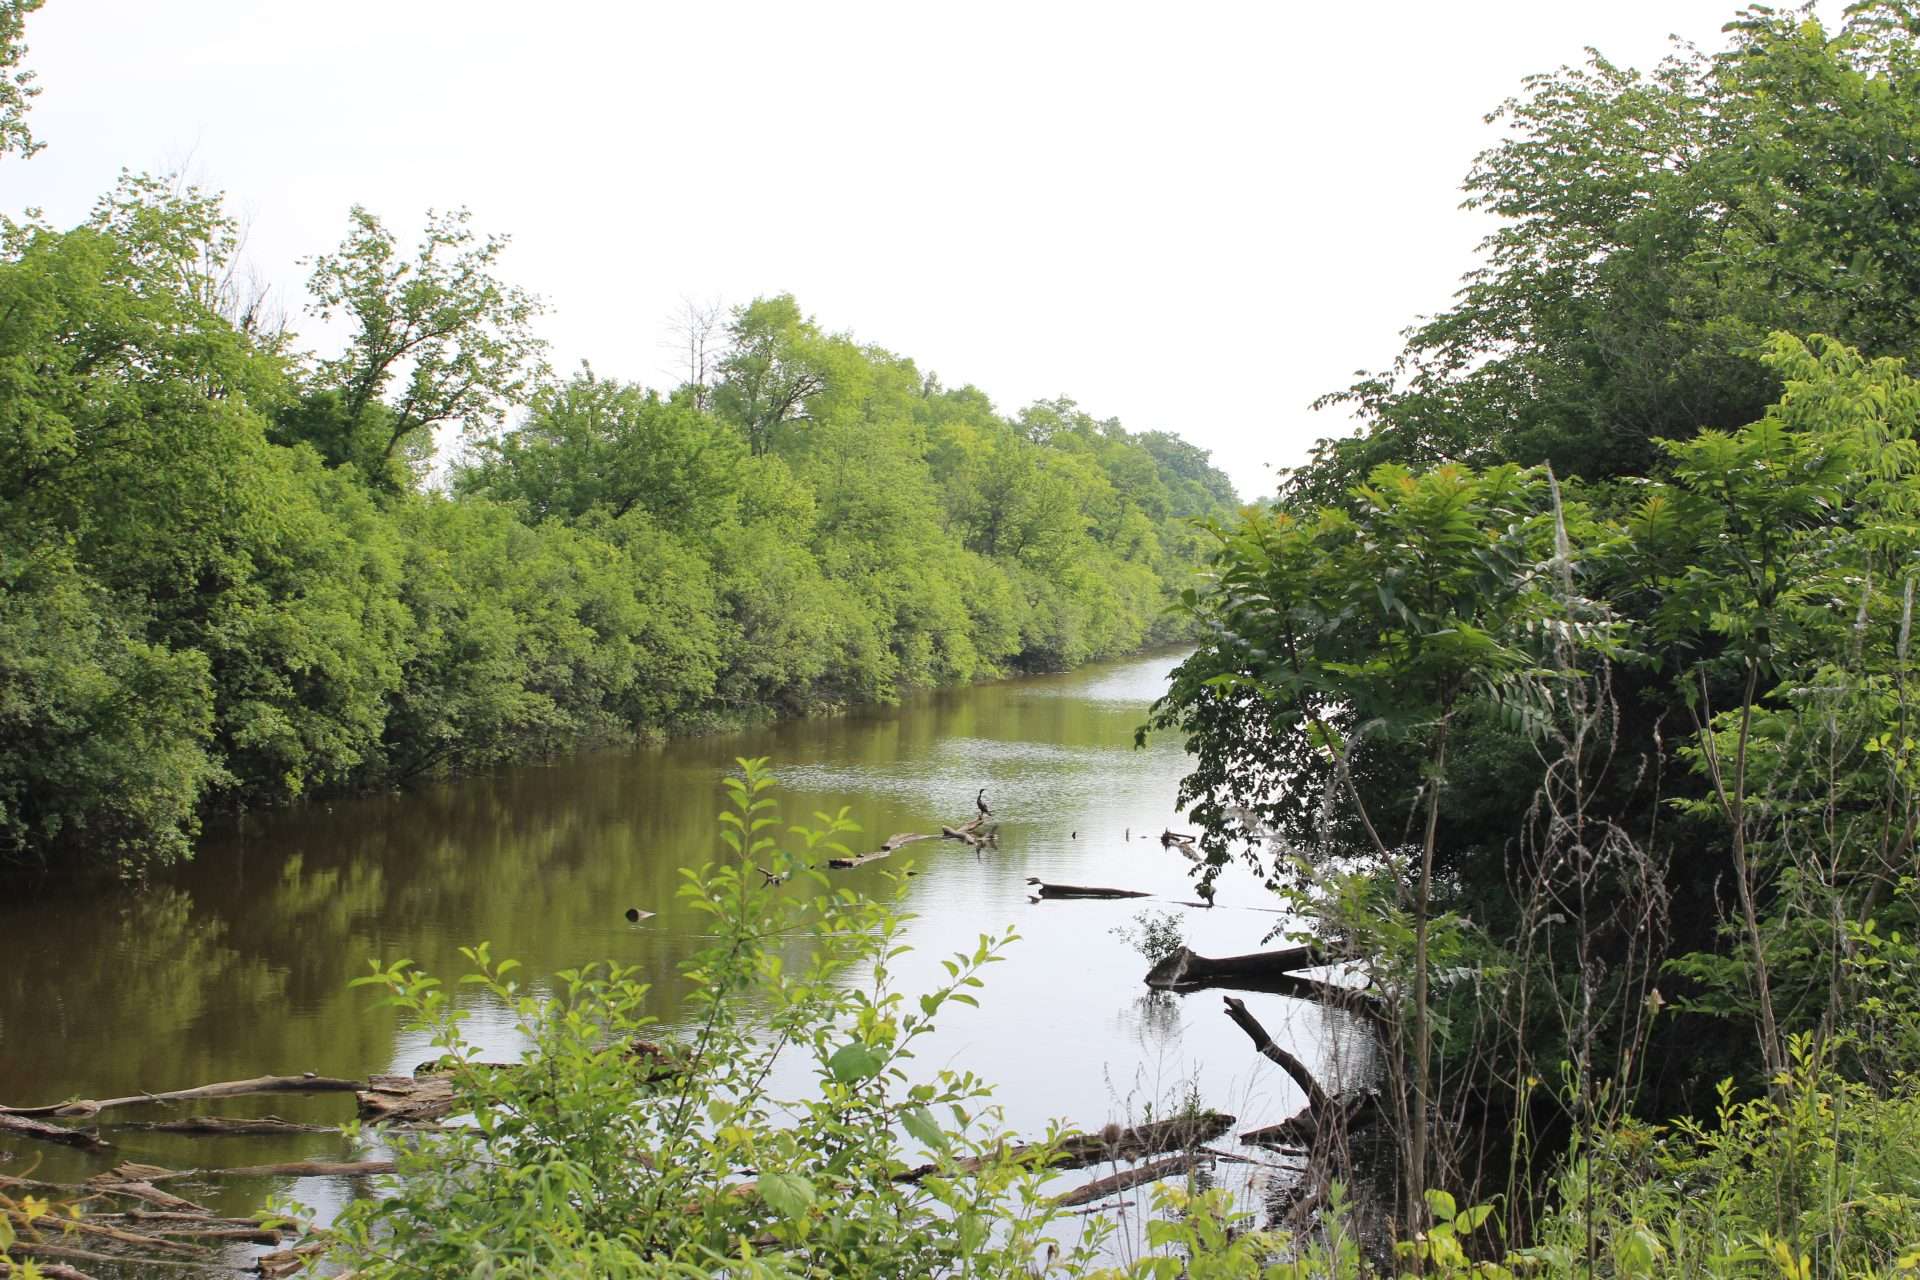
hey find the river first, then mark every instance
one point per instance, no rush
(238, 963)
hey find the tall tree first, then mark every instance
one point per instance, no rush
(777, 362)
(437, 338)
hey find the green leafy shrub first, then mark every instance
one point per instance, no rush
(603, 1155)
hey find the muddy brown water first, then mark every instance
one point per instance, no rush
(238, 963)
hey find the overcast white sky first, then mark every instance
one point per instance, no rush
(1195, 217)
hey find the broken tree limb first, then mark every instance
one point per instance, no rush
(1181, 1133)
(892, 843)
(1126, 1180)
(22, 1127)
(85, 1108)
(225, 1125)
(41, 1249)
(1317, 1100)
(286, 1262)
(1044, 890)
(51, 1271)
(425, 1095)
(303, 1169)
(968, 832)
(1298, 1133)
(81, 1226)
(1187, 969)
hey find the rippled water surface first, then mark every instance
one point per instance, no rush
(238, 964)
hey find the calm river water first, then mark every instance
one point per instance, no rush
(237, 964)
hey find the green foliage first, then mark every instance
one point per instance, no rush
(604, 1155)
(1812, 1180)
(458, 342)
(17, 89)
(1655, 228)
(1154, 934)
(219, 580)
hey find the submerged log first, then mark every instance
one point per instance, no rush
(425, 1095)
(50, 1271)
(99, 1230)
(1126, 1180)
(226, 1125)
(1044, 890)
(21, 1126)
(1187, 969)
(1300, 1132)
(302, 1169)
(87, 1107)
(1181, 1133)
(1114, 1143)
(288, 1262)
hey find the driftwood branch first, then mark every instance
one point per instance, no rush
(51, 1271)
(222, 1125)
(22, 1127)
(88, 1227)
(1044, 890)
(893, 842)
(1186, 970)
(1182, 1133)
(300, 1169)
(974, 833)
(86, 1107)
(1317, 1100)
(1126, 1180)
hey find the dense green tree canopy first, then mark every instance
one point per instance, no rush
(1655, 227)
(221, 578)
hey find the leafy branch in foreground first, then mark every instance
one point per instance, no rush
(772, 1139)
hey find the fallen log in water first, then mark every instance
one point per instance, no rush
(87, 1227)
(1044, 890)
(1299, 1132)
(49, 1271)
(42, 1249)
(225, 1125)
(425, 1095)
(885, 850)
(1126, 1180)
(1181, 1133)
(1185, 969)
(1324, 1121)
(300, 1169)
(287, 1262)
(969, 832)
(86, 1108)
(40, 1131)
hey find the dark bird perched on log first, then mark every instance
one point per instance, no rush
(980, 802)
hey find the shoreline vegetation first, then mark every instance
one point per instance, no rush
(230, 575)
(1569, 705)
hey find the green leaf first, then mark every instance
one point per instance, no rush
(788, 1194)
(852, 1063)
(919, 1122)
